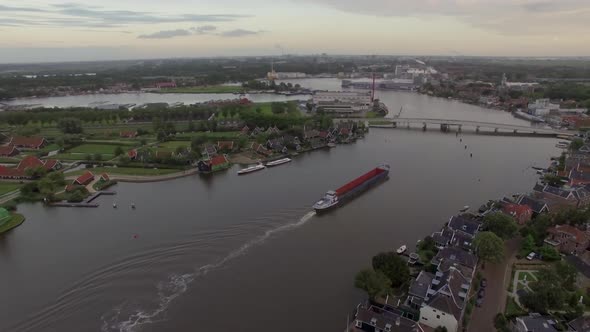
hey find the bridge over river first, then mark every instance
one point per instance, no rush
(460, 125)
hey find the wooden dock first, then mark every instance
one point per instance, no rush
(87, 203)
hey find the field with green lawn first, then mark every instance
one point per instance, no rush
(94, 148)
(205, 89)
(217, 135)
(7, 160)
(16, 220)
(172, 145)
(6, 187)
(80, 156)
(127, 171)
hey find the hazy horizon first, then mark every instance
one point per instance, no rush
(58, 31)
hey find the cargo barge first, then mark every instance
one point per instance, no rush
(335, 198)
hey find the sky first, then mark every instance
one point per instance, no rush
(83, 30)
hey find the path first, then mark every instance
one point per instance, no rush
(525, 283)
(498, 277)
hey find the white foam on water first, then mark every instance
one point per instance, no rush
(178, 284)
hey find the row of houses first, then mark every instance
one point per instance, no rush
(12, 146)
(535, 322)
(29, 162)
(436, 298)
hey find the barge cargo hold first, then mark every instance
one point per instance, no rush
(335, 198)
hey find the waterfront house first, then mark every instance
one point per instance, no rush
(582, 194)
(533, 323)
(225, 146)
(24, 142)
(418, 291)
(580, 324)
(8, 151)
(568, 239)
(443, 237)
(310, 134)
(104, 177)
(260, 149)
(556, 198)
(273, 130)
(84, 179)
(454, 256)
(276, 145)
(209, 151)
(446, 300)
(292, 142)
(257, 131)
(521, 213)
(372, 318)
(465, 223)
(578, 178)
(317, 143)
(214, 164)
(538, 206)
(325, 135)
(585, 148)
(128, 134)
(462, 240)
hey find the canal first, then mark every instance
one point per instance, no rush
(246, 253)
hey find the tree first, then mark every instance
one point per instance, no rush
(375, 283)
(500, 224)
(70, 126)
(576, 144)
(528, 244)
(191, 126)
(97, 157)
(36, 172)
(489, 247)
(549, 253)
(393, 266)
(552, 180)
(196, 143)
(143, 141)
(119, 151)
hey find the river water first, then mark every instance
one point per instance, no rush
(231, 253)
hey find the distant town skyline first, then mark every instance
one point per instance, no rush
(47, 31)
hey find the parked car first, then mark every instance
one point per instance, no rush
(531, 256)
(479, 302)
(483, 283)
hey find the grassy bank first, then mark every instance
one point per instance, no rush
(6, 187)
(16, 220)
(205, 89)
(136, 171)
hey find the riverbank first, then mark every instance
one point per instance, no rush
(17, 220)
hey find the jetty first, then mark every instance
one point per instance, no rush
(87, 203)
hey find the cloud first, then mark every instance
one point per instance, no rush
(72, 14)
(239, 33)
(510, 17)
(205, 29)
(166, 34)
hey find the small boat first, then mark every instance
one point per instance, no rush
(133, 205)
(331, 145)
(114, 205)
(278, 162)
(465, 208)
(251, 169)
(414, 257)
(402, 249)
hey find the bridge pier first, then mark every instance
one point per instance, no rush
(459, 128)
(496, 130)
(477, 129)
(444, 127)
(394, 124)
(408, 124)
(424, 126)
(516, 131)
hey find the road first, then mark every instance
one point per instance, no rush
(498, 277)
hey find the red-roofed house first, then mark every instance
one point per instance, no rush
(132, 154)
(84, 179)
(104, 177)
(30, 162)
(568, 239)
(225, 145)
(128, 134)
(8, 151)
(214, 164)
(161, 85)
(522, 213)
(23, 142)
(12, 173)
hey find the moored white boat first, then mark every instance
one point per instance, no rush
(278, 162)
(251, 169)
(402, 249)
(465, 208)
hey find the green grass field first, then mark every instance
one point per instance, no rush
(217, 135)
(7, 160)
(94, 148)
(127, 171)
(16, 220)
(6, 187)
(81, 156)
(50, 147)
(205, 89)
(172, 145)
(512, 309)
(529, 276)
